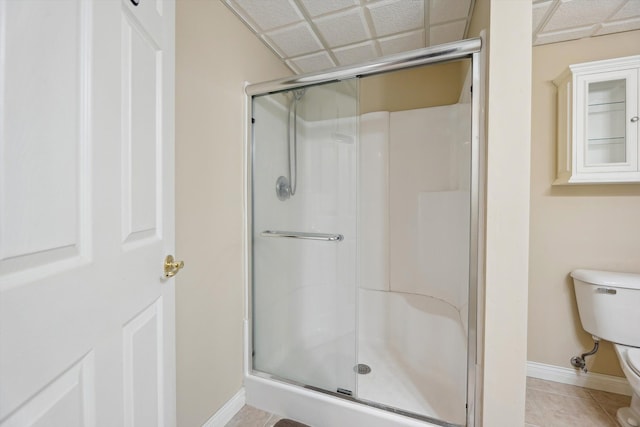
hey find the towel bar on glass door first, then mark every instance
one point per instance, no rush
(302, 235)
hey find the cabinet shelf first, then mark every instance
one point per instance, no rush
(607, 103)
(611, 140)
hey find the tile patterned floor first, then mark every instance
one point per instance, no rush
(253, 417)
(549, 404)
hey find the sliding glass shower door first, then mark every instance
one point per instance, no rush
(304, 235)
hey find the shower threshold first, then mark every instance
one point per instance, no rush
(288, 398)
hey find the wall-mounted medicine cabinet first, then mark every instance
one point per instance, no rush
(598, 108)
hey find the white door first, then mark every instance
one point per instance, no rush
(86, 213)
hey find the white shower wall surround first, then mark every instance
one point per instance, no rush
(373, 200)
(414, 202)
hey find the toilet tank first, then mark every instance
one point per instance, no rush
(609, 305)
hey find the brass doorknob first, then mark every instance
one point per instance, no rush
(171, 266)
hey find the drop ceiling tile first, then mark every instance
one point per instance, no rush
(402, 42)
(314, 62)
(343, 28)
(273, 46)
(396, 16)
(267, 15)
(296, 40)
(355, 54)
(559, 36)
(580, 13)
(315, 7)
(619, 26)
(629, 10)
(445, 33)
(539, 12)
(448, 10)
(293, 67)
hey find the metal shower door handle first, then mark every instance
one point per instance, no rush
(302, 235)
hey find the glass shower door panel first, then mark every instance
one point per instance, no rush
(303, 236)
(414, 227)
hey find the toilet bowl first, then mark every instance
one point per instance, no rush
(609, 308)
(629, 358)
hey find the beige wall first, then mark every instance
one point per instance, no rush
(591, 226)
(508, 125)
(215, 54)
(420, 87)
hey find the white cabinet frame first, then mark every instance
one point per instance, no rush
(574, 166)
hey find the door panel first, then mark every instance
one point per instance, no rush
(141, 130)
(43, 175)
(67, 401)
(143, 374)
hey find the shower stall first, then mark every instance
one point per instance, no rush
(363, 204)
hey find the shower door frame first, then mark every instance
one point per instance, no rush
(464, 49)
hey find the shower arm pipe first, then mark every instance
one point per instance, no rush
(414, 58)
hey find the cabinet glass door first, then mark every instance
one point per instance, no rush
(607, 141)
(606, 133)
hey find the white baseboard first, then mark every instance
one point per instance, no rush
(575, 377)
(228, 410)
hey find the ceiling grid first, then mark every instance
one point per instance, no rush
(562, 20)
(313, 35)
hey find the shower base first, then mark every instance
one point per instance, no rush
(393, 383)
(416, 348)
(318, 409)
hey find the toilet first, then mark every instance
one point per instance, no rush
(609, 307)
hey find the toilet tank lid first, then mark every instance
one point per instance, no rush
(608, 278)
